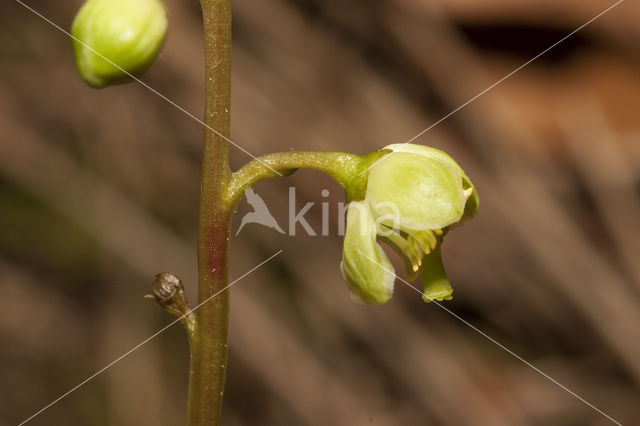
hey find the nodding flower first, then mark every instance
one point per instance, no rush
(407, 196)
(116, 39)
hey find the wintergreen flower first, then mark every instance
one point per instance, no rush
(127, 33)
(409, 197)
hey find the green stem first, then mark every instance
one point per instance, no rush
(220, 191)
(209, 344)
(342, 167)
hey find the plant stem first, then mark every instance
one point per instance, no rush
(220, 191)
(209, 346)
(342, 167)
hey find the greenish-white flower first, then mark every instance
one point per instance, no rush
(114, 36)
(408, 196)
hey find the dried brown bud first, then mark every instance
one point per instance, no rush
(168, 291)
(166, 286)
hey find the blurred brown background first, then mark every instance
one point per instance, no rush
(99, 192)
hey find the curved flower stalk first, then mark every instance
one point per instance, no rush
(114, 39)
(408, 197)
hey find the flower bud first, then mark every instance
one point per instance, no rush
(114, 38)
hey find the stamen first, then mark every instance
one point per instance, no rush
(467, 193)
(426, 241)
(408, 249)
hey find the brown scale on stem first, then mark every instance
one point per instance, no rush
(168, 291)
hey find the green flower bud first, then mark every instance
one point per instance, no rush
(409, 198)
(127, 33)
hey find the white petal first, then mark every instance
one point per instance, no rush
(365, 267)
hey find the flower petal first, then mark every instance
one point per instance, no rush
(365, 267)
(417, 192)
(426, 151)
(473, 201)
